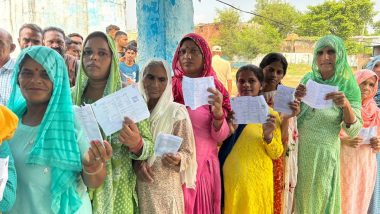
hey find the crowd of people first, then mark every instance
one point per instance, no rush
(309, 161)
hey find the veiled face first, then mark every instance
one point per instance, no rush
(97, 58)
(326, 59)
(35, 84)
(155, 81)
(367, 87)
(191, 58)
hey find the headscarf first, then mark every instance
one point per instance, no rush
(8, 123)
(104, 197)
(56, 142)
(163, 117)
(207, 71)
(114, 79)
(371, 64)
(370, 111)
(343, 77)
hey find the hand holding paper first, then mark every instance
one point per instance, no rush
(195, 92)
(249, 109)
(284, 96)
(316, 95)
(167, 143)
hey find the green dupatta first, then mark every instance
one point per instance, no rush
(343, 76)
(117, 194)
(56, 143)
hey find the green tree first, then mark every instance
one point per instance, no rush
(344, 18)
(244, 39)
(255, 39)
(282, 16)
(376, 27)
(229, 24)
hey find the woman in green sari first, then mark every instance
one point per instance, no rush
(318, 181)
(99, 76)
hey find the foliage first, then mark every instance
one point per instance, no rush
(282, 16)
(344, 18)
(244, 39)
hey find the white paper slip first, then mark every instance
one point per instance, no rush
(111, 110)
(88, 123)
(195, 92)
(167, 143)
(3, 175)
(316, 93)
(284, 95)
(368, 133)
(249, 109)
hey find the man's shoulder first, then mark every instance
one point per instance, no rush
(10, 64)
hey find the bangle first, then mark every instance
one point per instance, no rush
(348, 125)
(93, 173)
(137, 148)
(218, 118)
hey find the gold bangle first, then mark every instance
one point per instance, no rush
(93, 173)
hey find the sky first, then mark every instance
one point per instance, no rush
(205, 10)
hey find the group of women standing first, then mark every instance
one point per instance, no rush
(311, 161)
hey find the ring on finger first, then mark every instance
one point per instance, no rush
(97, 158)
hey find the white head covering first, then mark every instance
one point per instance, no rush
(162, 119)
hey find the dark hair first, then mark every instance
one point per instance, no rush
(133, 42)
(53, 29)
(274, 57)
(131, 47)
(68, 41)
(31, 26)
(75, 35)
(120, 33)
(258, 72)
(111, 27)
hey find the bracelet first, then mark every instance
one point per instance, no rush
(93, 173)
(218, 118)
(348, 125)
(137, 148)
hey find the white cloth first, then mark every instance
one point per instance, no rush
(162, 118)
(6, 73)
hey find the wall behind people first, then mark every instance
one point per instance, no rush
(161, 25)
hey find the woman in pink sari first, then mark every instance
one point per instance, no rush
(193, 59)
(358, 156)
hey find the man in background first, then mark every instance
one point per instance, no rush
(222, 68)
(128, 68)
(54, 38)
(76, 38)
(6, 65)
(29, 35)
(111, 30)
(73, 48)
(121, 39)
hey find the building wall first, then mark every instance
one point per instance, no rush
(80, 16)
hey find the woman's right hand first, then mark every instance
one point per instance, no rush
(300, 92)
(354, 143)
(268, 128)
(143, 171)
(230, 120)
